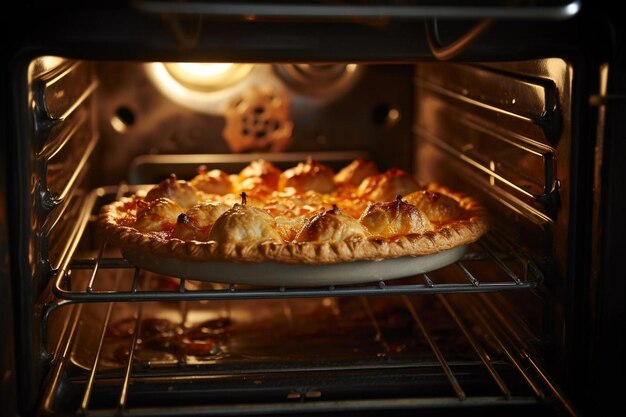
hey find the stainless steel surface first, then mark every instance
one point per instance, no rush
(52, 126)
(62, 98)
(64, 127)
(503, 133)
(396, 10)
(492, 265)
(165, 119)
(490, 171)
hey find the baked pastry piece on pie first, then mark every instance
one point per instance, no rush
(259, 177)
(356, 172)
(262, 169)
(158, 215)
(181, 192)
(304, 215)
(244, 223)
(395, 218)
(197, 222)
(214, 181)
(386, 186)
(437, 206)
(331, 226)
(308, 176)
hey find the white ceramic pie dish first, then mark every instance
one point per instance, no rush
(296, 275)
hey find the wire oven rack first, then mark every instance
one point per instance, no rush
(495, 342)
(515, 271)
(510, 270)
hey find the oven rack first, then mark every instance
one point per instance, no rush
(504, 359)
(510, 269)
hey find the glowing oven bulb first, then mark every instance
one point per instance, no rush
(203, 70)
(207, 76)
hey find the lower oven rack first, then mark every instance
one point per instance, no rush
(504, 370)
(503, 373)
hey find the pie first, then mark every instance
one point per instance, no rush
(307, 214)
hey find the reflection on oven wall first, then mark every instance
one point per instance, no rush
(502, 130)
(153, 109)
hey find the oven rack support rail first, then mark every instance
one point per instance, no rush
(492, 248)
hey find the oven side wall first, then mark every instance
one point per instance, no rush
(21, 196)
(503, 132)
(50, 146)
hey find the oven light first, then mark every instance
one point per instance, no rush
(207, 76)
(203, 87)
(201, 70)
(350, 68)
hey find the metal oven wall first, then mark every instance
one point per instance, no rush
(338, 116)
(502, 132)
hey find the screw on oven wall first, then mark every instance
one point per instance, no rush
(386, 115)
(122, 119)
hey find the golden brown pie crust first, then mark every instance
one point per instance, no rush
(117, 219)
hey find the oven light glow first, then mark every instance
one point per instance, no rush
(207, 76)
(202, 70)
(201, 86)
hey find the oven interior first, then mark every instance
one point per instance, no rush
(488, 333)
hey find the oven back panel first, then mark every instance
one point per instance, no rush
(329, 113)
